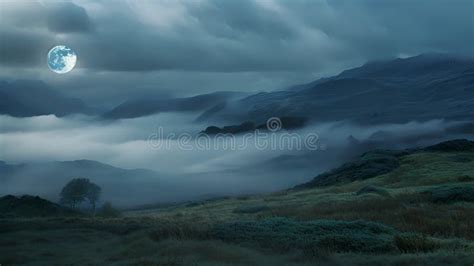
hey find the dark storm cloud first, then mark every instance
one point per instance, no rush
(232, 19)
(281, 35)
(22, 48)
(378, 29)
(234, 36)
(221, 36)
(68, 17)
(155, 45)
(28, 29)
(56, 16)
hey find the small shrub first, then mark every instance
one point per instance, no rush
(251, 209)
(373, 189)
(465, 178)
(451, 193)
(317, 252)
(414, 243)
(194, 204)
(286, 234)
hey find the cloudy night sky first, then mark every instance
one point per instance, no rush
(140, 62)
(131, 49)
(237, 132)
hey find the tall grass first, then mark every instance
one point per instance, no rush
(405, 212)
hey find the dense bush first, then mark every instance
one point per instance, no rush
(460, 158)
(451, 193)
(331, 235)
(31, 206)
(251, 209)
(465, 178)
(414, 243)
(369, 165)
(373, 189)
(120, 226)
(457, 145)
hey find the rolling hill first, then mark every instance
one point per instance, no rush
(418, 211)
(126, 187)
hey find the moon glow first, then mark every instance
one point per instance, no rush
(61, 59)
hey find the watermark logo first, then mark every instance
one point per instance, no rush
(272, 138)
(274, 124)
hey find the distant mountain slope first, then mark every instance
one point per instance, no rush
(125, 187)
(417, 88)
(144, 107)
(23, 98)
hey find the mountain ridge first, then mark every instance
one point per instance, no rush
(144, 107)
(25, 98)
(418, 88)
(423, 87)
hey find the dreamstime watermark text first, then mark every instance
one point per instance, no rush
(273, 137)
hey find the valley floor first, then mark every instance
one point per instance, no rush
(420, 213)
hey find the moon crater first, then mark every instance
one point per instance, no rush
(61, 59)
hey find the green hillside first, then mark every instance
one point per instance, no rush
(412, 207)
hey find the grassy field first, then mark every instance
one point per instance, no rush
(419, 213)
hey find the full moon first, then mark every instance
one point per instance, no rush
(61, 59)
